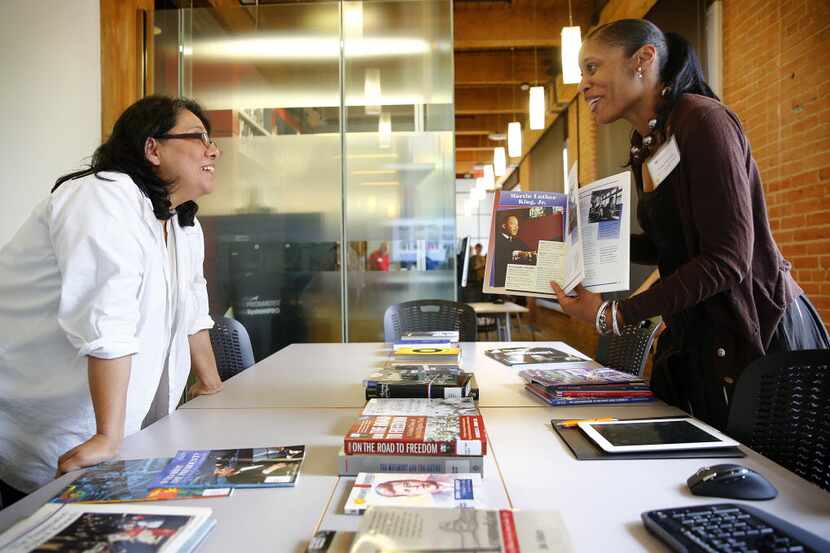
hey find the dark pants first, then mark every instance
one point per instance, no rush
(9, 495)
(681, 378)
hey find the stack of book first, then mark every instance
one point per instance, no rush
(416, 436)
(579, 386)
(422, 365)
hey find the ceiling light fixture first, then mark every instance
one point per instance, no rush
(499, 161)
(571, 43)
(537, 93)
(514, 129)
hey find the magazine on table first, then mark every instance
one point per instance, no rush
(414, 529)
(539, 237)
(130, 480)
(84, 527)
(539, 357)
(415, 490)
(259, 467)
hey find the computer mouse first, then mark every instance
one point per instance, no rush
(730, 481)
(498, 300)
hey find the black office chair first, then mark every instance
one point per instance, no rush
(426, 315)
(781, 409)
(628, 353)
(231, 347)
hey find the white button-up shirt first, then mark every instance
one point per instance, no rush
(89, 275)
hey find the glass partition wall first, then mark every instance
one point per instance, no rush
(335, 121)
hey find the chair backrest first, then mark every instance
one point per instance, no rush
(231, 347)
(781, 409)
(425, 315)
(627, 353)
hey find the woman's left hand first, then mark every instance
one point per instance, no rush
(583, 306)
(200, 389)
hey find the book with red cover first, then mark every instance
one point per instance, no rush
(409, 435)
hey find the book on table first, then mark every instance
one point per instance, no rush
(418, 380)
(259, 467)
(352, 465)
(128, 480)
(86, 527)
(539, 357)
(415, 490)
(581, 236)
(416, 435)
(426, 353)
(430, 337)
(421, 407)
(579, 386)
(422, 529)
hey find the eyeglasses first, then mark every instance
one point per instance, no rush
(203, 136)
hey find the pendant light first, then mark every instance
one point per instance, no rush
(514, 129)
(499, 161)
(571, 43)
(537, 93)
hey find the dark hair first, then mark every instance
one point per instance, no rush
(680, 69)
(123, 151)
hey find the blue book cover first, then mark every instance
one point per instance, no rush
(266, 467)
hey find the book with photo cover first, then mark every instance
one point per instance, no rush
(259, 467)
(585, 379)
(123, 528)
(538, 356)
(580, 236)
(352, 465)
(415, 490)
(427, 436)
(130, 480)
(422, 407)
(418, 380)
(385, 529)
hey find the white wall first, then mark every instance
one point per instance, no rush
(50, 99)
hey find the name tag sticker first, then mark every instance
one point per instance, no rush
(663, 162)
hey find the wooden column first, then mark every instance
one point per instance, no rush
(126, 57)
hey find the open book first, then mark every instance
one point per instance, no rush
(581, 236)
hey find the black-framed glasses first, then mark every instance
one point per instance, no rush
(203, 136)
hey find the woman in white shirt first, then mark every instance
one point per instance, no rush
(103, 303)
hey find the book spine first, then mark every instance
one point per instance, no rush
(411, 437)
(351, 465)
(603, 393)
(380, 390)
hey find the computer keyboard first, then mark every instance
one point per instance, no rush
(730, 528)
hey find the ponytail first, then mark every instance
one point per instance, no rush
(680, 69)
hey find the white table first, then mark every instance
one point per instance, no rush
(601, 500)
(502, 312)
(527, 467)
(330, 375)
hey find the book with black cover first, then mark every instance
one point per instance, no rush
(584, 448)
(556, 400)
(261, 467)
(418, 380)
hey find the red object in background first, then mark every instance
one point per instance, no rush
(378, 260)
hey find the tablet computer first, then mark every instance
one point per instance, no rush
(654, 435)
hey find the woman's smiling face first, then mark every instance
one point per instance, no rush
(609, 80)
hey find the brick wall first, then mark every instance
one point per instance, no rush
(777, 79)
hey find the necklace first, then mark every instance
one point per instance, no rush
(641, 150)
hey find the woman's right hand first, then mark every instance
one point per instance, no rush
(97, 449)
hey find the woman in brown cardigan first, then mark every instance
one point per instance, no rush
(726, 293)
